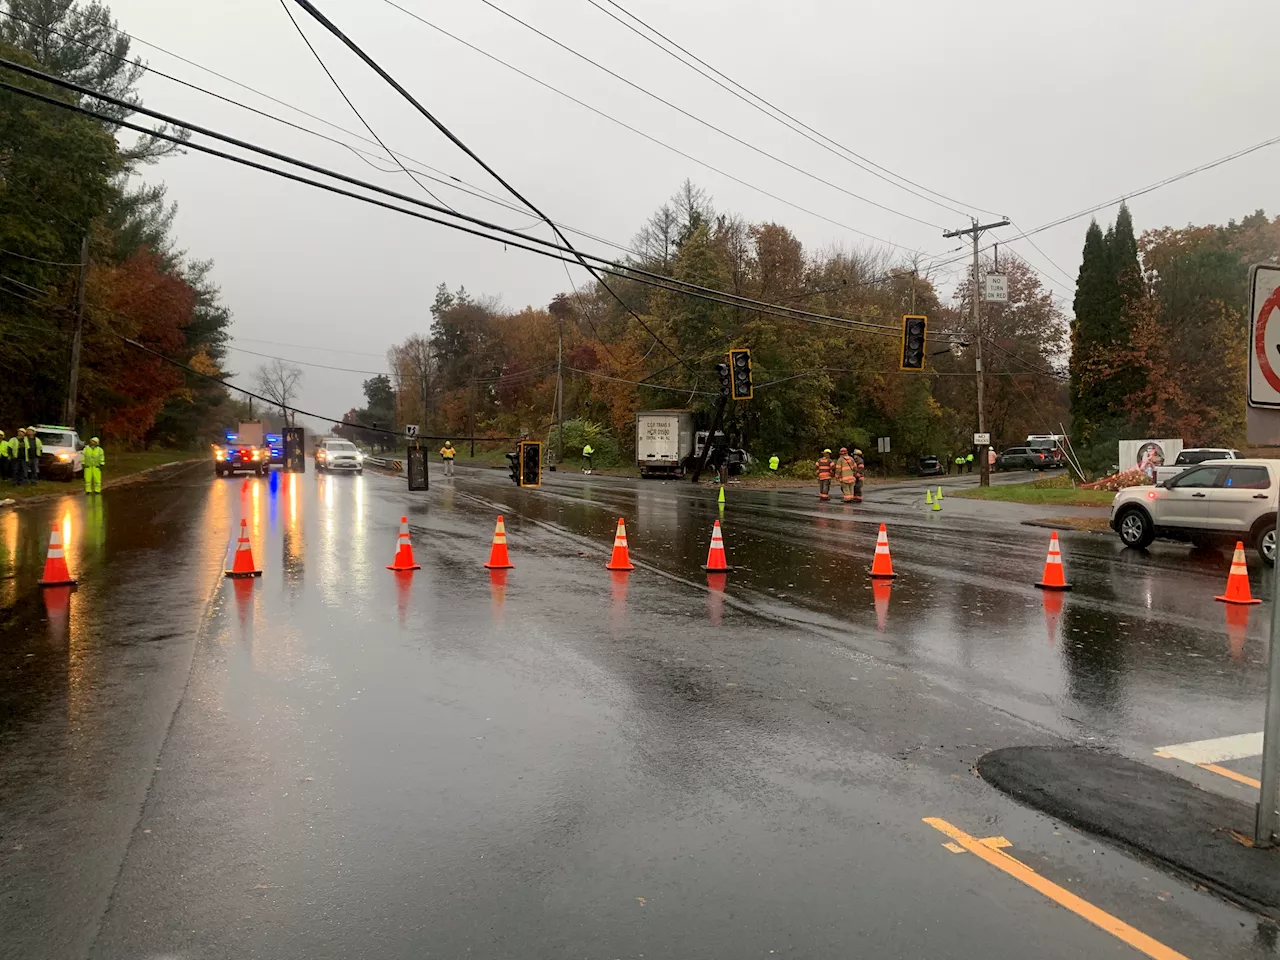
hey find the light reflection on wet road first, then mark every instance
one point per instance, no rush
(337, 760)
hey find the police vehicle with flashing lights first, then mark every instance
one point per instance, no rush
(245, 451)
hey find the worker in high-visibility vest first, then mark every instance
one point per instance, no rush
(4, 456)
(447, 453)
(826, 466)
(95, 458)
(773, 463)
(587, 451)
(968, 463)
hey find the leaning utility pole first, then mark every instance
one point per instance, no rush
(560, 392)
(77, 332)
(976, 231)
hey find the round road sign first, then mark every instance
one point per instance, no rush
(1266, 340)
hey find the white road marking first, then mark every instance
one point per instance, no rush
(1215, 751)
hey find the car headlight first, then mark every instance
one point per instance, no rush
(219, 454)
(256, 454)
(63, 457)
(359, 458)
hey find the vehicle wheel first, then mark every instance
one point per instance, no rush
(218, 471)
(1135, 529)
(359, 473)
(1265, 542)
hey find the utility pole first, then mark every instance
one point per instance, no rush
(73, 374)
(472, 431)
(975, 231)
(560, 391)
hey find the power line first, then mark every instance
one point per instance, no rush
(779, 115)
(360, 116)
(449, 180)
(52, 263)
(306, 346)
(324, 21)
(553, 251)
(640, 133)
(706, 123)
(305, 363)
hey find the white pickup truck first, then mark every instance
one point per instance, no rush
(1189, 456)
(1218, 500)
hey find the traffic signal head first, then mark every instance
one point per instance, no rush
(530, 463)
(513, 463)
(726, 379)
(740, 371)
(913, 337)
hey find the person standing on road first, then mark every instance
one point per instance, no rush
(959, 463)
(859, 470)
(773, 461)
(21, 450)
(38, 450)
(4, 456)
(95, 458)
(447, 453)
(968, 463)
(826, 466)
(845, 474)
(587, 451)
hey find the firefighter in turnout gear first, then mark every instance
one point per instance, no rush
(826, 466)
(859, 470)
(845, 469)
(95, 458)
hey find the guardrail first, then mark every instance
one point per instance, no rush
(383, 463)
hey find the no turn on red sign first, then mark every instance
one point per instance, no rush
(1264, 336)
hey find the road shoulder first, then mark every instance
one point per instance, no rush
(1201, 835)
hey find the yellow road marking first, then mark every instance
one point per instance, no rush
(1224, 772)
(1082, 908)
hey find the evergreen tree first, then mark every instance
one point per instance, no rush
(1087, 331)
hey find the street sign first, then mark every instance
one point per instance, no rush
(410, 430)
(882, 444)
(1264, 336)
(996, 289)
(982, 439)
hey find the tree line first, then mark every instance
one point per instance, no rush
(69, 185)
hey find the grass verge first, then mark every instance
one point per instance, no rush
(119, 465)
(1038, 495)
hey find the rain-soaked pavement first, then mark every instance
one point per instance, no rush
(341, 761)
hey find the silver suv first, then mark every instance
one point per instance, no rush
(1212, 501)
(338, 456)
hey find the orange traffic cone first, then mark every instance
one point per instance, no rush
(404, 550)
(1237, 580)
(621, 559)
(1052, 578)
(242, 565)
(715, 556)
(56, 573)
(498, 559)
(882, 563)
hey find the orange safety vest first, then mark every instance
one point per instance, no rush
(448, 452)
(846, 469)
(825, 466)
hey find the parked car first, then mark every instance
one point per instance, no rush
(929, 467)
(1190, 456)
(63, 456)
(1055, 456)
(1023, 458)
(1219, 500)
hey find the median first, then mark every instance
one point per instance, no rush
(1049, 491)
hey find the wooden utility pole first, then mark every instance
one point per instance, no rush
(77, 334)
(975, 232)
(472, 429)
(560, 392)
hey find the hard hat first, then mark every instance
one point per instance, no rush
(448, 443)
(844, 449)
(93, 439)
(857, 451)
(828, 450)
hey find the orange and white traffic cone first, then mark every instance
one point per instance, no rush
(621, 559)
(716, 562)
(56, 573)
(1238, 580)
(1052, 578)
(404, 550)
(882, 563)
(242, 565)
(498, 559)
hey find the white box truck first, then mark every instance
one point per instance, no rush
(664, 442)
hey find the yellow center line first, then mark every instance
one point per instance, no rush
(1082, 908)
(1224, 772)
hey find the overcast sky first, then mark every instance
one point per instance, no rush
(1031, 110)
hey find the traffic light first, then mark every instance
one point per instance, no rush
(530, 463)
(913, 336)
(513, 463)
(726, 379)
(740, 367)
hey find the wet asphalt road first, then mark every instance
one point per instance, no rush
(339, 761)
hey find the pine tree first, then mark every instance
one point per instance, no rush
(1087, 331)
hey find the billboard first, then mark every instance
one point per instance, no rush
(1148, 454)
